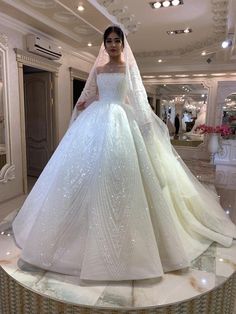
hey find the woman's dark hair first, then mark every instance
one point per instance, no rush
(113, 29)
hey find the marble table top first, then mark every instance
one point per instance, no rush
(209, 270)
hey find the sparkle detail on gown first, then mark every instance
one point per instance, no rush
(111, 205)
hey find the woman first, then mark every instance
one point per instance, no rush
(115, 202)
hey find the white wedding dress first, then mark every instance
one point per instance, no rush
(112, 204)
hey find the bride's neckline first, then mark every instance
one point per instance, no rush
(112, 68)
(111, 73)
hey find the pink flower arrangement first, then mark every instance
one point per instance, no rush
(223, 130)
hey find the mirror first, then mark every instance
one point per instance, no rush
(183, 107)
(2, 124)
(229, 113)
(6, 169)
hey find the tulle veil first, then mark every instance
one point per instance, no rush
(153, 129)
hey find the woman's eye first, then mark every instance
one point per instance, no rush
(117, 41)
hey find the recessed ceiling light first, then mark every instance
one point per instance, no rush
(187, 30)
(59, 47)
(157, 5)
(164, 76)
(179, 31)
(80, 7)
(199, 75)
(166, 3)
(148, 76)
(159, 60)
(90, 44)
(203, 53)
(218, 74)
(181, 75)
(226, 43)
(175, 2)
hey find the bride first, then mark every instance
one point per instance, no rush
(115, 201)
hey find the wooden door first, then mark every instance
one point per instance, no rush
(38, 120)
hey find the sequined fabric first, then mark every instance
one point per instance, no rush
(111, 204)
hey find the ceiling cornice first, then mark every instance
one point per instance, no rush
(3, 39)
(180, 51)
(186, 69)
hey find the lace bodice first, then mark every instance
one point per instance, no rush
(111, 87)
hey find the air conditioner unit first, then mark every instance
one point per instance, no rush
(42, 47)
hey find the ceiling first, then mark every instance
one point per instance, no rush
(211, 21)
(197, 92)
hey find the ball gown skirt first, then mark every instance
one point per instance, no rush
(112, 204)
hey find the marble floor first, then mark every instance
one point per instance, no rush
(206, 272)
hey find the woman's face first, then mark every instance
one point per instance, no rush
(113, 45)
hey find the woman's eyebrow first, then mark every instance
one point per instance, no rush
(113, 38)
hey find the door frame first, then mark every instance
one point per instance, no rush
(76, 74)
(29, 59)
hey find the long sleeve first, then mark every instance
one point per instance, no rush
(138, 98)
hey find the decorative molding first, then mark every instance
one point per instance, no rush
(30, 59)
(83, 30)
(227, 155)
(221, 177)
(42, 4)
(219, 11)
(117, 13)
(65, 17)
(83, 56)
(226, 176)
(7, 173)
(224, 153)
(4, 39)
(75, 73)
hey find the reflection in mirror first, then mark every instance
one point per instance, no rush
(229, 114)
(2, 128)
(183, 108)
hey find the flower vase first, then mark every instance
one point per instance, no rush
(213, 146)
